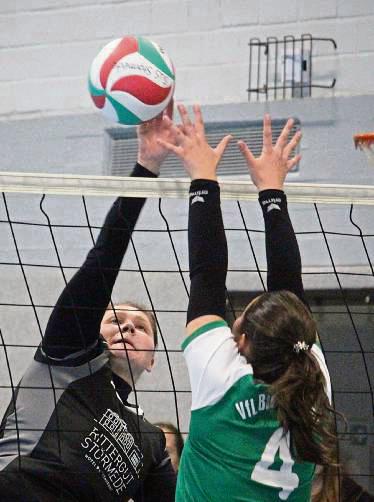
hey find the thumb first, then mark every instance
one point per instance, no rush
(221, 147)
(246, 152)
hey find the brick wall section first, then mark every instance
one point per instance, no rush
(46, 48)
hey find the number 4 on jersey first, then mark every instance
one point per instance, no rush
(284, 478)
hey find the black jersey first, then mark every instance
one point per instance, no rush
(69, 433)
(77, 438)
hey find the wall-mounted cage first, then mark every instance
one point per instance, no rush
(283, 68)
(120, 148)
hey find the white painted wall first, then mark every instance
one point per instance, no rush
(46, 46)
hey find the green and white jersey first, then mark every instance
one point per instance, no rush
(236, 449)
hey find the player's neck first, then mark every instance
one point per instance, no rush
(121, 368)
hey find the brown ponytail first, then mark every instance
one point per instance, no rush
(273, 324)
(326, 485)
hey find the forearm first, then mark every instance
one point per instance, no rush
(75, 321)
(282, 250)
(207, 251)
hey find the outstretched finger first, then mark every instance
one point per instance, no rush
(292, 162)
(187, 124)
(222, 145)
(178, 150)
(283, 137)
(199, 122)
(292, 144)
(267, 144)
(246, 152)
(168, 122)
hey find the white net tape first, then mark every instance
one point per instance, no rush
(41, 183)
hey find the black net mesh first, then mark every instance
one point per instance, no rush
(45, 239)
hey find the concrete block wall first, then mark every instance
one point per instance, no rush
(46, 46)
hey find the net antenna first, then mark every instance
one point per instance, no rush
(365, 142)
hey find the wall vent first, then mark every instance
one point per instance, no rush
(121, 148)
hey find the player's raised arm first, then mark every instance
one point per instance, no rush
(268, 173)
(74, 324)
(206, 236)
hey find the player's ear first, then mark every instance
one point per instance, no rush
(244, 346)
(241, 342)
(149, 367)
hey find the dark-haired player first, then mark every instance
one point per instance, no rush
(69, 433)
(260, 417)
(174, 442)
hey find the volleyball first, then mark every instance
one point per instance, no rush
(131, 80)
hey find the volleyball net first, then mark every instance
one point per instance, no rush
(49, 222)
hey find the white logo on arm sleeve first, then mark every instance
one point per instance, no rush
(197, 198)
(273, 206)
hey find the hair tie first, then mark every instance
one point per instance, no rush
(300, 347)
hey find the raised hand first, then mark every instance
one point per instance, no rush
(199, 158)
(270, 169)
(151, 153)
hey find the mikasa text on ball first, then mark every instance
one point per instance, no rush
(131, 80)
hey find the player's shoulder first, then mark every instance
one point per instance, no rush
(214, 363)
(218, 328)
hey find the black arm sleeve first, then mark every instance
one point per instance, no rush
(282, 251)
(74, 324)
(207, 248)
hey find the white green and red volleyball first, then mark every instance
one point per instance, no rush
(131, 80)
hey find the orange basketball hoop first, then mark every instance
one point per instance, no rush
(365, 142)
